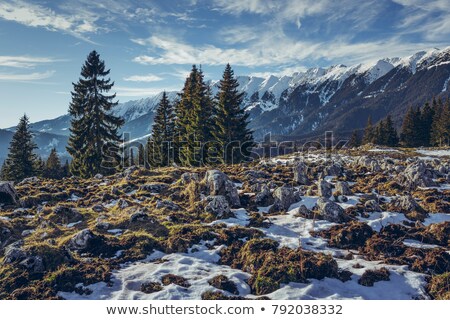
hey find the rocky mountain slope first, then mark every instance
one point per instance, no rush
(361, 224)
(305, 104)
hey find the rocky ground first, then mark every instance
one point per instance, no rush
(355, 224)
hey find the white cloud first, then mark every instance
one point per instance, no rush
(25, 77)
(33, 15)
(24, 61)
(145, 78)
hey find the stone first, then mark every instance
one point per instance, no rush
(343, 188)
(167, 204)
(154, 187)
(406, 204)
(98, 208)
(372, 206)
(264, 197)
(219, 207)
(417, 174)
(331, 211)
(14, 253)
(83, 241)
(29, 180)
(98, 176)
(67, 215)
(284, 197)
(300, 175)
(334, 170)
(304, 212)
(187, 177)
(8, 194)
(139, 216)
(218, 183)
(324, 189)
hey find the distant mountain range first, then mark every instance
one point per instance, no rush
(305, 104)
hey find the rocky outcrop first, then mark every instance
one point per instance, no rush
(218, 184)
(343, 188)
(331, 211)
(417, 174)
(83, 241)
(300, 173)
(219, 207)
(284, 197)
(324, 189)
(8, 194)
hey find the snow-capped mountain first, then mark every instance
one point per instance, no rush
(304, 104)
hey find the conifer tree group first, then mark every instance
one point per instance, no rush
(384, 133)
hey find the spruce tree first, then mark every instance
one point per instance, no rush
(390, 137)
(160, 143)
(410, 135)
(21, 162)
(355, 139)
(436, 137)
(232, 136)
(53, 169)
(426, 123)
(369, 132)
(194, 120)
(94, 139)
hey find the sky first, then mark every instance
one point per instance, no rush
(151, 45)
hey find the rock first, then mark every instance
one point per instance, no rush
(256, 174)
(405, 204)
(218, 183)
(417, 174)
(284, 197)
(304, 212)
(8, 194)
(14, 253)
(154, 187)
(372, 206)
(28, 180)
(264, 197)
(187, 177)
(98, 176)
(342, 188)
(167, 204)
(300, 175)
(102, 226)
(5, 236)
(122, 203)
(324, 189)
(115, 191)
(67, 215)
(331, 211)
(98, 208)
(334, 170)
(83, 241)
(219, 207)
(139, 216)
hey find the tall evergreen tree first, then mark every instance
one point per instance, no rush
(53, 169)
(426, 123)
(436, 137)
(355, 139)
(369, 132)
(194, 120)
(94, 139)
(21, 162)
(410, 133)
(232, 136)
(390, 136)
(160, 144)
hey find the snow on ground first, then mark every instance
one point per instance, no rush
(378, 220)
(384, 150)
(418, 244)
(434, 153)
(198, 267)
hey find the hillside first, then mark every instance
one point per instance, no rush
(361, 224)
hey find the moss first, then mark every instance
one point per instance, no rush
(439, 286)
(263, 285)
(223, 283)
(151, 287)
(369, 277)
(174, 279)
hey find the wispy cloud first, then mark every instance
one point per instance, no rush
(25, 77)
(144, 78)
(24, 61)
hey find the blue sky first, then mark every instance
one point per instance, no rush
(151, 45)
